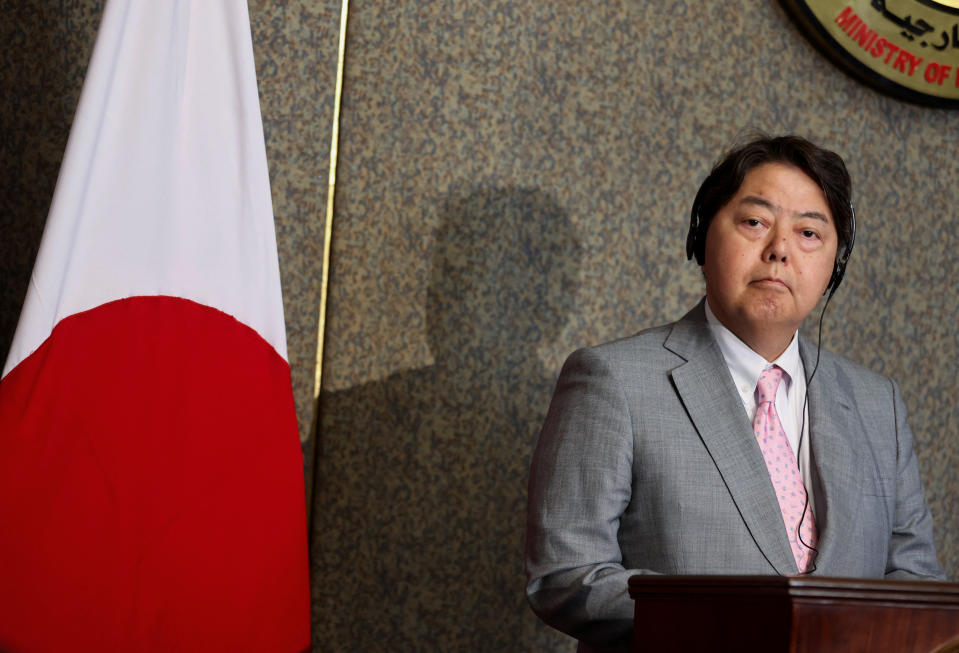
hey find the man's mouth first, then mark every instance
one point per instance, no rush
(771, 282)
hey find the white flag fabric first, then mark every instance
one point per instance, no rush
(151, 480)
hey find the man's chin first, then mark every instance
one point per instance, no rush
(771, 313)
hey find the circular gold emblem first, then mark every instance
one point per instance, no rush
(906, 48)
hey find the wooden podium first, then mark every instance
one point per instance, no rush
(794, 614)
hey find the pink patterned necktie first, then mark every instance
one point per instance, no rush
(783, 470)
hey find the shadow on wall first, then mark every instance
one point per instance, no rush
(46, 52)
(420, 506)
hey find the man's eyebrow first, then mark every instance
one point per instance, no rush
(755, 200)
(815, 215)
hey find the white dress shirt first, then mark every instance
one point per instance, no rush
(745, 366)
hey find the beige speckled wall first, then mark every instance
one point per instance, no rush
(514, 182)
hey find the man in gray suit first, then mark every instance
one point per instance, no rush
(668, 452)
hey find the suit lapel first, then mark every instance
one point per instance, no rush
(834, 434)
(706, 389)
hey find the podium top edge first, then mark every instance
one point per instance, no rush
(642, 586)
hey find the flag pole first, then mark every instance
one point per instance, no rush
(325, 271)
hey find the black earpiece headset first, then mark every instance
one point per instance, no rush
(696, 242)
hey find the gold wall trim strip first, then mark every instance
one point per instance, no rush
(325, 268)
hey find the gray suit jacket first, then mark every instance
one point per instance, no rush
(647, 464)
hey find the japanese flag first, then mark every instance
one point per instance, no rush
(151, 484)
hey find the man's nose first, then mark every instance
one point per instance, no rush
(777, 247)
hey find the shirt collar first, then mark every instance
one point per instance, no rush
(746, 365)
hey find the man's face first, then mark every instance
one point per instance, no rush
(769, 254)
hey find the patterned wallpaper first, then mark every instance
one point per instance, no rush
(595, 123)
(514, 182)
(45, 55)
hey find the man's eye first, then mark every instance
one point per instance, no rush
(809, 233)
